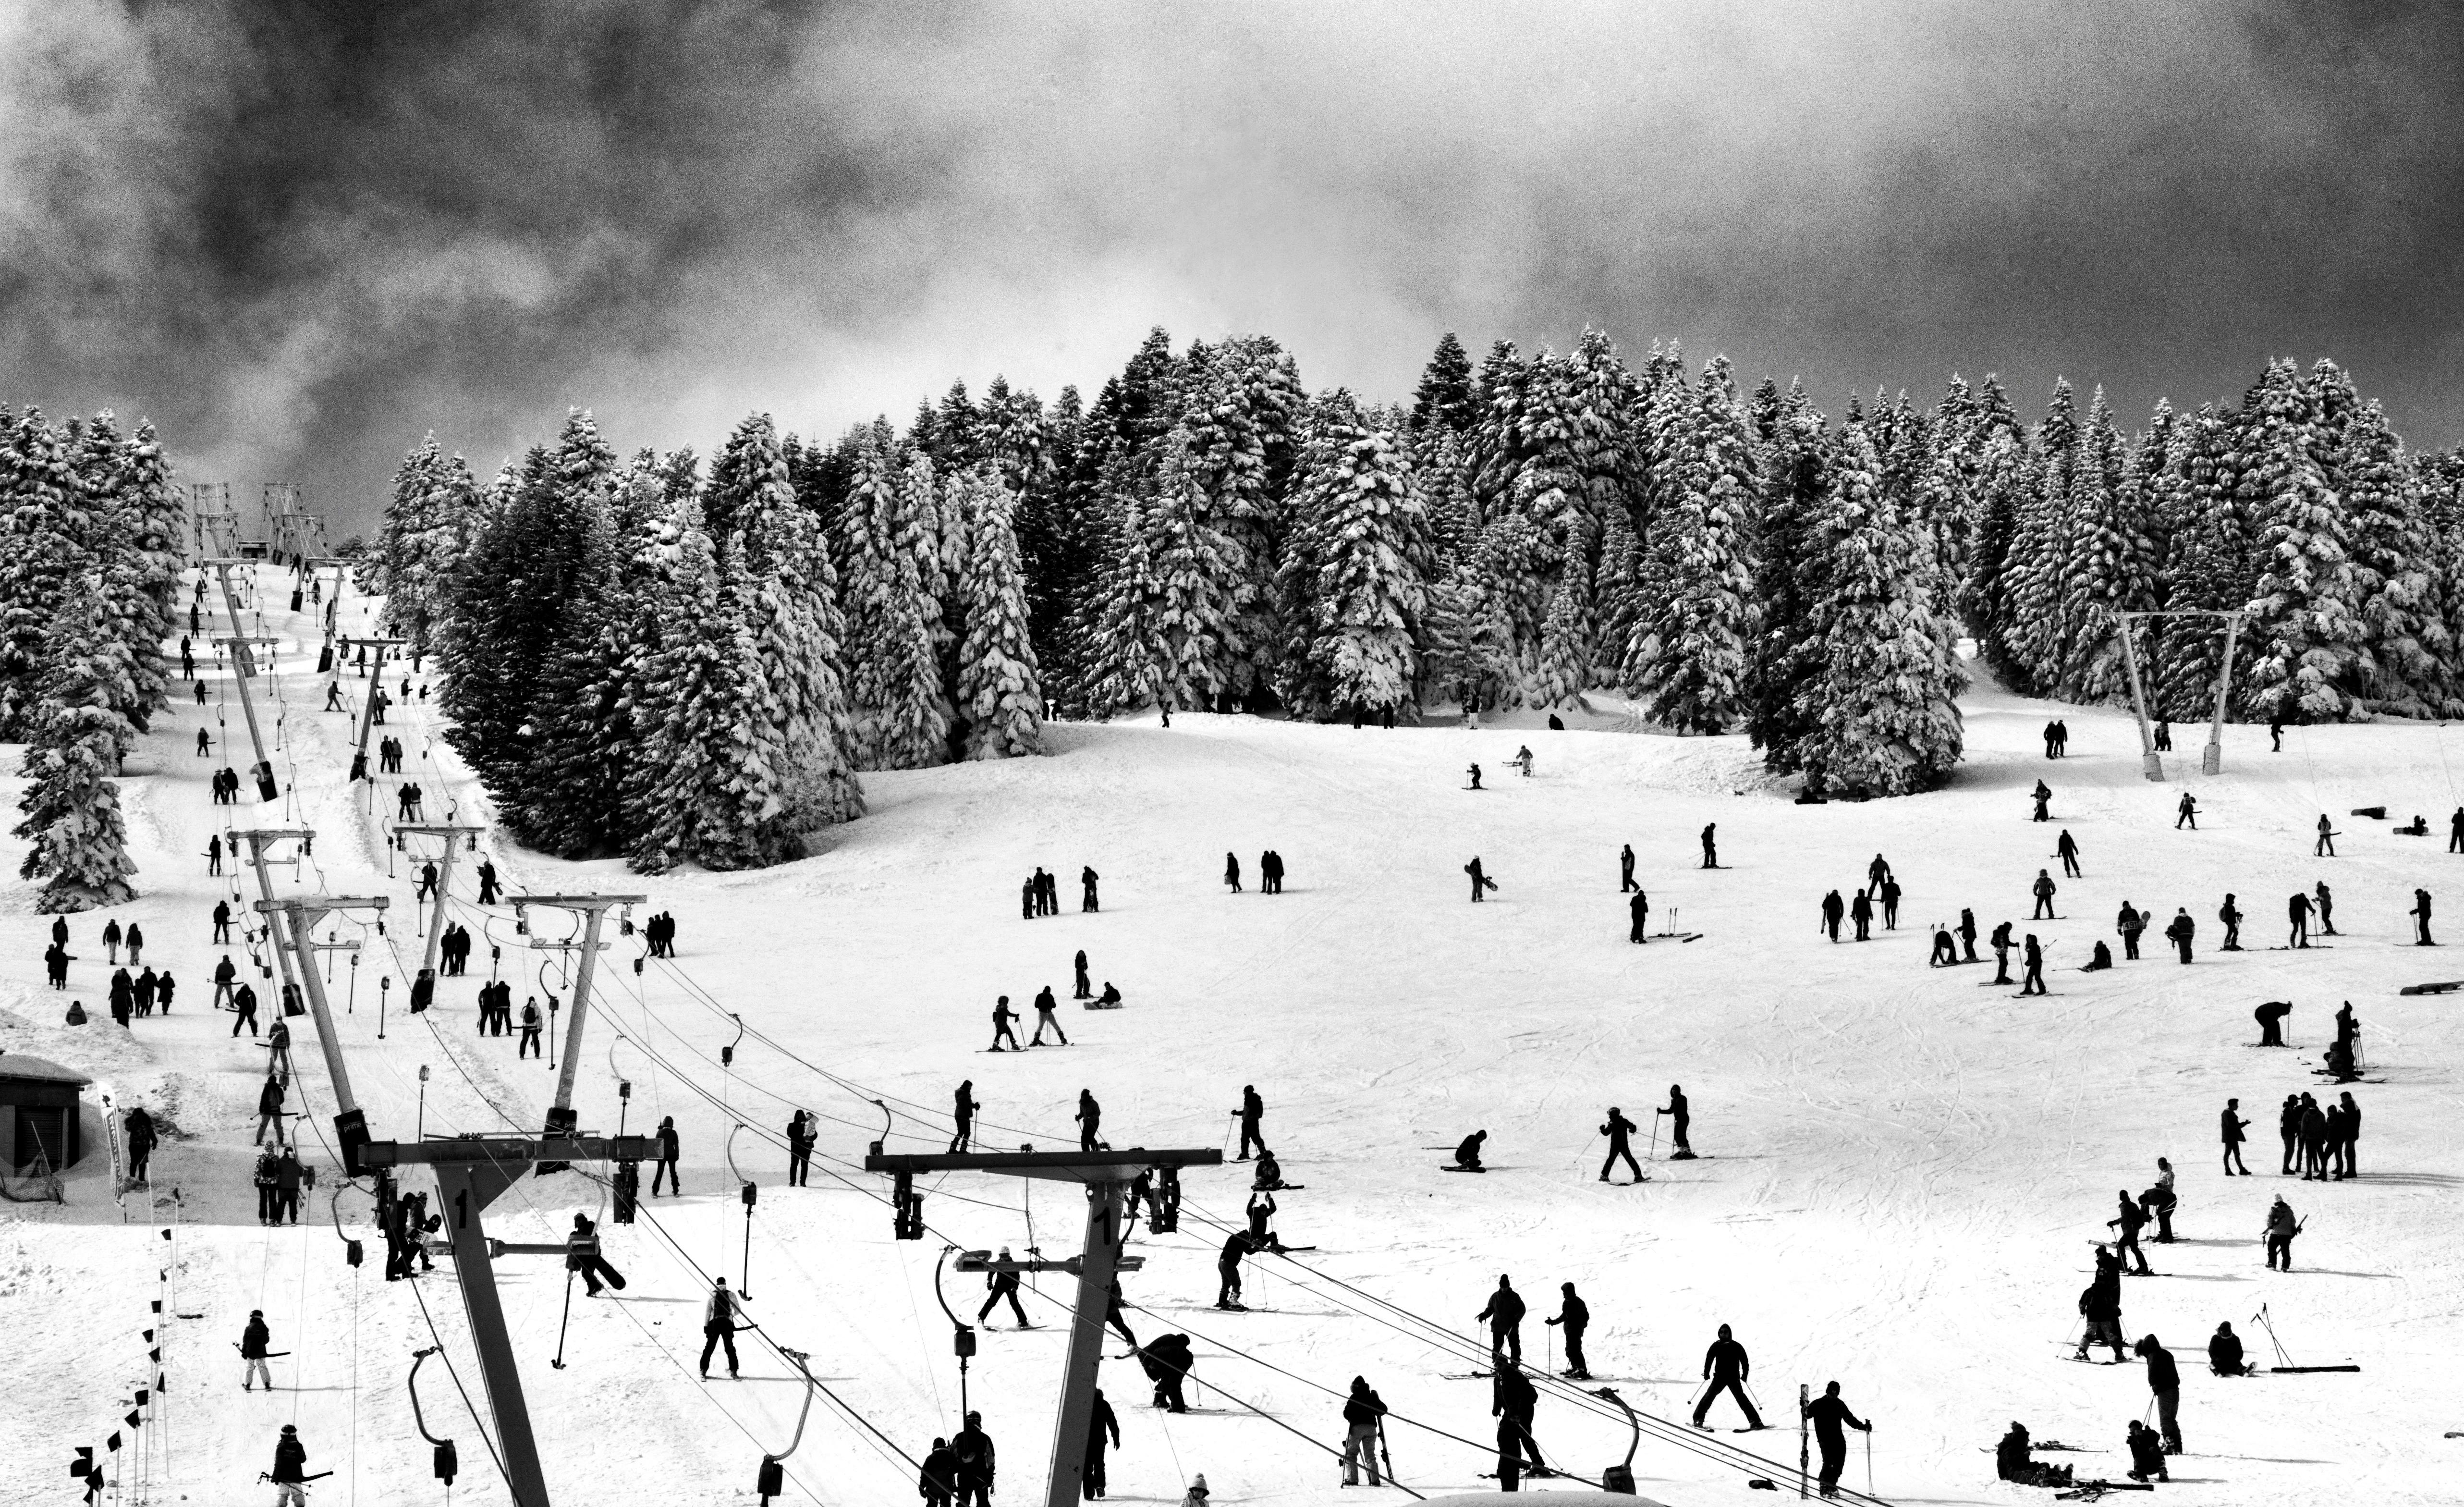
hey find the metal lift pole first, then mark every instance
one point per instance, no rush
(350, 1125)
(243, 666)
(2213, 760)
(257, 842)
(443, 881)
(594, 909)
(2150, 762)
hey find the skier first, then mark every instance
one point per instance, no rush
(1503, 1315)
(111, 942)
(1080, 989)
(1638, 910)
(2031, 976)
(2297, 910)
(1890, 896)
(1089, 1115)
(1002, 1015)
(1227, 1271)
(963, 1111)
(1861, 910)
(2130, 923)
(253, 1343)
(1232, 872)
(2271, 1022)
(1726, 1366)
(2043, 890)
(2181, 930)
(1967, 933)
(1711, 843)
(2010, 1462)
(800, 1149)
(1086, 896)
(973, 1449)
(666, 1168)
(1680, 1115)
(1827, 1414)
(1363, 1412)
(1101, 1425)
(1480, 879)
(1513, 1401)
(999, 1285)
(2230, 913)
(1876, 872)
(718, 1327)
(1625, 869)
(427, 882)
(1252, 1115)
(2325, 847)
(2166, 1382)
(1468, 1152)
(2044, 798)
(1946, 952)
(2233, 1127)
(290, 1472)
(214, 855)
(2421, 919)
(1044, 1006)
(2326, 909)
(1621, 1131)
(1167, 1363)
(1475, 777)
(2100, 1305)
(2224, 1353)
(2067, 850)
(2130, 1221)
(2186, 812)
(1833, 908)
(1271, 1172)
(222, 923)
(1575, 1317)
(2281, 1228)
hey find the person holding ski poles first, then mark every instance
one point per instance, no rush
(1363, 1412)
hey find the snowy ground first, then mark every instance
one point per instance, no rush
(1903, 1169)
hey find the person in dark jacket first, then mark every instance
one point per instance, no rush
(583, 1254)
(2146, 1454)
(2001, 943)
(1467, 1151)
(1945, 951)
(1625, 869)
(1362, 1413)
(2231, 1129)
(2043, 796)
(269, 1110)
(972, 1449)
(2129, 1222)
(286, 1187)
(1726, 1366)
(1681, 1115)
(2130, 923)
(1087, 899)
(998, 1286)
(1639, 918)
(1833, 908)
(1167, 1363)
(1967, 933)
(2032, 973)
(962, 1109)
(2043, 891)
(1889, 895)
(1481, 883)
(718, 1326)
(290, 1472)
(668, 1149)
(2166, 1382)
(1861, 911)
(2296, 912)
(164, 986)
(256, 1344)
(1090, 1117)
(1620, 1133)
(1081, 987)
(2224, 1353)
(2012, 1462)
(1102, 1425)
(2180, 930)
(1270, 872)
(2099, 1306)
(1503, 1315)
(1002, 1015)
(2281, 1227)
(2066, 848)
(2420, 913)
(937, 1481)
(1512, 1402)
(1574, 1317)
(2350, 1138)
(142, 1137)
(800, 1149)
(1828, 1413)
(1232, 871)
(1252, 1115)
(1712, 845)
(2271, 1021)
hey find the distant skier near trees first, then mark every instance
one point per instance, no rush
(1620, 1133)
(1726, 1366)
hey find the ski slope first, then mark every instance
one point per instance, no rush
(1901, 1171)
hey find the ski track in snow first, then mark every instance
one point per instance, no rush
(1902, 1169)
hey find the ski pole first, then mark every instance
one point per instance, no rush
(561, 1324)
(1869, 1459)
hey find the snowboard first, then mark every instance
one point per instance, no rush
(1461, 1169)
(2448, 987)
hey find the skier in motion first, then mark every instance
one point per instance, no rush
(1726, 1366)
(1620, 1133)
(1827, 1414)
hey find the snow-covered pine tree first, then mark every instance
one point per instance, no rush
(2000, 472)
(888, 523)
(2410, 667)
(1123, 614)
(41, 554)
(1371, 533)
(2205, 571)
(2112, 565)
(1445, 399)
(1885, 706)
(572, 800)
(690, 786)
(1000, 698)
(2306, 629)
(77, 841)
(1202, 573)
(1696, 638)
(1618, 605)
(1789, 582)
(2038, 636)
(508, 609)
(151, 511)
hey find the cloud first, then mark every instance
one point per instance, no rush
(301, 234)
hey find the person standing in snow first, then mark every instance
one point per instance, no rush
(1620, 1133)
(800, 1149)
(2130, 922)
(1362, 1413)
(2043, 890)
(668, 1149)
(1504, 1316)
(718, 1326)
(2297, 911)
(1680, 1115)
(290, 1472)
(1087, 900)
(2281, 1228)
(2002, 944)
(1833, 908)
(1827, 1414)
(1044, 1006)
(1002, 1285)
(1638, 918)
(1726, 1366)
(2325, 847)
(1101, 1426)
(2158, 1201)
(1967, 933)
(1861, 910)
(2420, 913)
(2066, 848)
(1625, 869)
(1002, 1015)
(1089, 1115)
(2164, 1380)
(1575, 1315)
(2031, 977)
(1227, 1271)
(1711, 844)
(2187, 812)
(1481, 883)
(972, 1447)
(2231, 1129)
(2326, 907)
(2180, 930)
(2131, 1219)
(1252, 1115)
(256, 1344)
(962, 1110)
(2043, 796)
(1232, 871)
(1890, 895)
(1513, 1401)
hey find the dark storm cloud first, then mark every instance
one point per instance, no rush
(300, 235)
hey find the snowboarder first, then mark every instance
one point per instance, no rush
(253, 1343)
(666, 1168)
(2031, 976)
(1480, 879)
(1109, 999)
(583, 1256)
(1363, 1412)
(2232, 1128)
(1726, 1366)
(2326, 845)
(2130, 1221)
(1620, 1132)
(2130, 923)
(2281, 1228)
(2067, 851)
(1680, 1115)
(1002, 1015)
(962, 1110)
(1468, 1152)
(1833, 908)
(1711, 843)
(1639, 912)
(1252, 1115)
(2044, 798)
(1827, 1414)
(1625, 869)
(2043, 890)
(1001, 1285)
(2166, 1382)
(1089, 1116)
(1861, 910)
(2421, 919)
(1232, 871)
(1504, 1316)
(2186, 813)
(2224, 1353)
(973, 1449)
(2181, 930)
(290, 1472)
(1087, 899)
(1574, 1317)
(1044, 1006)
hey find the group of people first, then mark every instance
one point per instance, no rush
(1039, 893)
(658, 933)
(2320, 1142)
(388, 753)
(2058, 739)
(453, 950)
(224, 782)
(1270, 871)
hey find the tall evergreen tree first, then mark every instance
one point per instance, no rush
(1371, 532)
(1789, 582)
(77, 841)
(1446, 398)
(2306, 629)
(1000, 698)
(41, 554)
(1693, 651)
(2411, 665)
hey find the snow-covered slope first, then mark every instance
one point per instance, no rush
(1902, 1169)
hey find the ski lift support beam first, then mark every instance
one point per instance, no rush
(2211, 759)
(260, 840)
(302, 917)
(1106, 1174)
(593, 909)
(244, 669)
(449, 832)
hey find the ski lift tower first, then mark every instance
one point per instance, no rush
(243, 670)
(1106, 1173)
(2212, 759)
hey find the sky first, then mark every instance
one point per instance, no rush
(300, 235)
